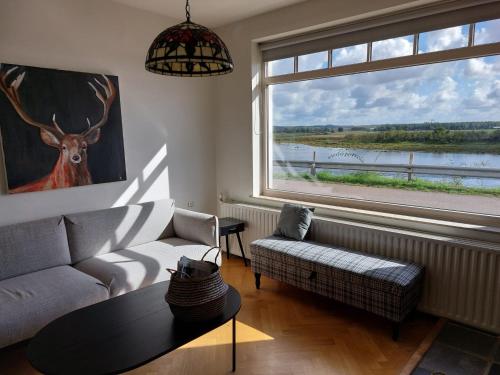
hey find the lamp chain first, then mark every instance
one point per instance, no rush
(188, 13)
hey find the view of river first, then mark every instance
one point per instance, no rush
(293, 151)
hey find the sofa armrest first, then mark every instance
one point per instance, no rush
(196, 227)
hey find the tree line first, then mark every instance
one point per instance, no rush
(438, 136)
(318, 129)
(325, 129)
(476, 125)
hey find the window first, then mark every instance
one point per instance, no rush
(392, 123)
(279, 67)
(313, 61)
(441, 40)
(349, 55)
(395, 47)
(487, 32)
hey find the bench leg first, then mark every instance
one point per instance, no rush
(257, 280)
(396, 326)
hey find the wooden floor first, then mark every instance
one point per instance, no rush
(283, 330)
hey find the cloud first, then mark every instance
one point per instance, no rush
(350, 55)
(483, 67)
(283, 66)
(313, 61)
(487, 32)
(395, 47)
(485, 95)
(495, 91)
(439, 40)
(466, 90)
(447, 91)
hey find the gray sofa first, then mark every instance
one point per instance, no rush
(53, 266)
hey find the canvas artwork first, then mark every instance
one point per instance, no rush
(59, 128)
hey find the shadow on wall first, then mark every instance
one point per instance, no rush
(141, 185)
(127, 223)
(134, 193)
(151, 183)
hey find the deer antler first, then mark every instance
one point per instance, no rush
(11, 92)
(106, 99)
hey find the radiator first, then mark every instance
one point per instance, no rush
(462, 277)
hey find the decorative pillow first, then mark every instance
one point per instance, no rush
(294, 221)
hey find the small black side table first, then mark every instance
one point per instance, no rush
(230, 225)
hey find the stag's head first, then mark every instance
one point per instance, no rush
(72, 147)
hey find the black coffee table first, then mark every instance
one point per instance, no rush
(120, 334)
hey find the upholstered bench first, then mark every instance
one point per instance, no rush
(387, 287)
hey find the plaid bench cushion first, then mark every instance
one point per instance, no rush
(381, 285)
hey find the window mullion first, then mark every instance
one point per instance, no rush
(369, 52)
(416, 41)
(472, 31)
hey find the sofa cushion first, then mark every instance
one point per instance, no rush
(29, 302)
(103, 231)
(139, 266)
(196, 227)
(33, 246)
(374, 272)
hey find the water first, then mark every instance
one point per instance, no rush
(293, 151)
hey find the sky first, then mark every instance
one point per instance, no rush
(465, 90)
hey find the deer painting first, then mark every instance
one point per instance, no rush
(71, 168)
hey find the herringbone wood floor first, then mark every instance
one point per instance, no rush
(283, 331)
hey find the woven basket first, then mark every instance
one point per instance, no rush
(197, 298)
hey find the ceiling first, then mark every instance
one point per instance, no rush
(211, 13)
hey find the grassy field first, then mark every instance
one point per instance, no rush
(370, 141)
(377, 180)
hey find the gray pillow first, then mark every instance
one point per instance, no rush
(294, 221)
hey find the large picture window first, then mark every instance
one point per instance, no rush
(422, 132)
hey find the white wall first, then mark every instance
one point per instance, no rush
(235, 136)
(167, 121)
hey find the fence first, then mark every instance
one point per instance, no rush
(408, 169)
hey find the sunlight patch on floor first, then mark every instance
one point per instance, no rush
(223, 336)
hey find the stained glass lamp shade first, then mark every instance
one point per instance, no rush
(188, 50)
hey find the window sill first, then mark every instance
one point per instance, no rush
(405, 222)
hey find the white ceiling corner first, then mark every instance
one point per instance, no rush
(211, 13)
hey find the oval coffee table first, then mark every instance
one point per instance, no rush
(120, 334)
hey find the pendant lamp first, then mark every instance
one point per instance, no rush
(188, 50)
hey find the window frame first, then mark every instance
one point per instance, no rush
(384, 208)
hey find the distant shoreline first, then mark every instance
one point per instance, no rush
(470, 141)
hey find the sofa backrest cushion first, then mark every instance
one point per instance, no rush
(104, 231)
(33, 246)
